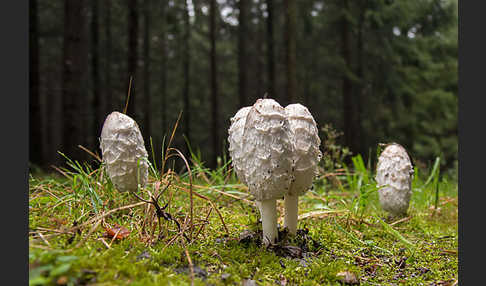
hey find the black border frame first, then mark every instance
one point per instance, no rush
(14, 28)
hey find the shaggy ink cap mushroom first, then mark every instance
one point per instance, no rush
(394, 174)
(124, 153)
(268, 150)
(275, 152)
(306, 142)
(306, 155)
(261, 151)
(235, 139)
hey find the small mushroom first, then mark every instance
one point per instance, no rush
(306, 155)
(263, 159)
(123, 152)
(394, 174)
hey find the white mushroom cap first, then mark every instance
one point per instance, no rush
(394, 174)
(267, 150)
(275, 152)
(123, 152)
(306, 142)
(235, 138)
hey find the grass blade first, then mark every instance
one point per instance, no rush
(396, 234)
(433, 173)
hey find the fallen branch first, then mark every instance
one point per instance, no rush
(319, 214)
(43, 239)
(191, 266)
(102, 216)
(40, 246)
(89, 233)
(400, 220)
(204, 223)
(104, 242)
(55, 230)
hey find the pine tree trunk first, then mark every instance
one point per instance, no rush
(309, 53)
(260, 61)
(132, 56)
(270, 51)
(75, 59)
(110, 100)
(98, 100)
(214, 82)
(242, 58)
(146, 73)
(185, 67)
(359, 88)
(163, 66)
(290, 52)
(35, 115)
(346, 82)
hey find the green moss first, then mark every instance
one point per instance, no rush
(351, 239)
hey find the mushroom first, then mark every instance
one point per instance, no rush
(306, 156)
(235, 139)
(275, 152)
(394, 174)
(263, 157)
(123, 152)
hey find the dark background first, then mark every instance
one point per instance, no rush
(378, 71)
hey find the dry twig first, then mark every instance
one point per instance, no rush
(400, 220)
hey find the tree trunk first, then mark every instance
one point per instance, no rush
(359, 88)
(270, 51)
(146, 72)
(260, 58)
(75, 59)
(132, 56)
(35, 115)
(185, 67)
(346, 82)
(110, 103)
(199, 16)
(163, 74)
(242, 58)
(54, 117)
(308, 53)
(214, 82)
(290, 51)
(98, 102)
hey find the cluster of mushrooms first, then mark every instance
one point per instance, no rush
(274, 151)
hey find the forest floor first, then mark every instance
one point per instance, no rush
(84, 232)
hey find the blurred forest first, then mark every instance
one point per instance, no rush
(377, 70)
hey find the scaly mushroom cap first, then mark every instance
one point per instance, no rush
(123, 152)
(235, 139)
(306, 142)
(394, 174)
(267, 150)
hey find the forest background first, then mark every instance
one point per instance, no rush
(375, 70)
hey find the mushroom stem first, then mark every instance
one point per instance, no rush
(259, 206)
(268, 210)
(291, 212)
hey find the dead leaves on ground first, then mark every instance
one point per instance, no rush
(116, 231)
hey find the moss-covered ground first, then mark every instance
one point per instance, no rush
(344, 236)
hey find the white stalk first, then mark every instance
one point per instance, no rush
(259, 206)
(268, 210)
(291, 212)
